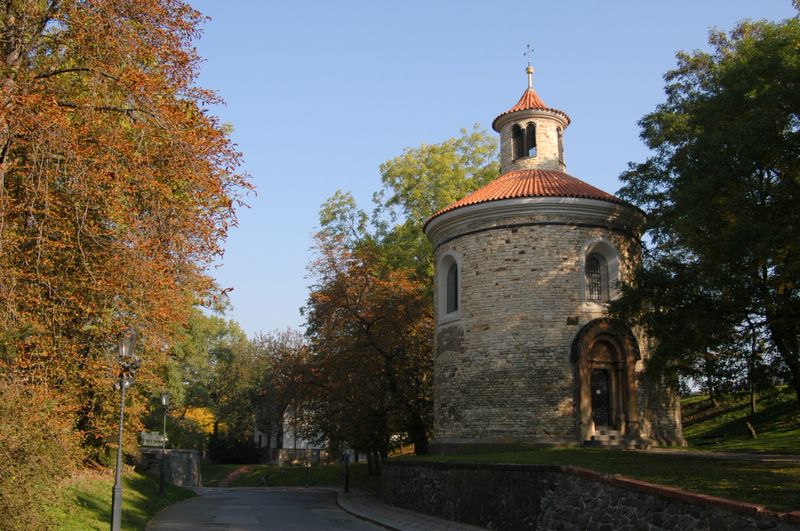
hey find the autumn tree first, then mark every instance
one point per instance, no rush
(721, 193)
(370, 312)
(370, 328)
(117, 189)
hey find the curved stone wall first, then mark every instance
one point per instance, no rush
(502, 371)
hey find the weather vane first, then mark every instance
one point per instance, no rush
(529, 70)
(529, 54)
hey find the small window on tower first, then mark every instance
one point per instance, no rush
(452, 288)
(530, 139)
(560, 145)
(517, 142)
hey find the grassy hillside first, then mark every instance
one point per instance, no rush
(85, 502)
(777, 422)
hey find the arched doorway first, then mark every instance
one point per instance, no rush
(604, 356)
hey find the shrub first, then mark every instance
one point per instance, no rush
(38, 448)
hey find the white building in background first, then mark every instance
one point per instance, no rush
(285, 445)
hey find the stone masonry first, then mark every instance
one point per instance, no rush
(558, 497)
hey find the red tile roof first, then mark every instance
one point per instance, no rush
(531, 183)
(530, 100)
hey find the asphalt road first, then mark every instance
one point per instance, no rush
(244, 509)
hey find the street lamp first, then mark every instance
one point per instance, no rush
(128, 364)
(162, 474)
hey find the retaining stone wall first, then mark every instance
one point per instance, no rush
(182, 466)
(555, 497)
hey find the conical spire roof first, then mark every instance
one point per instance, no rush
(530, 101)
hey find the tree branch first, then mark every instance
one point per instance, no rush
(71, 70)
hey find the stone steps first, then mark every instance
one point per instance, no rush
(606, 438)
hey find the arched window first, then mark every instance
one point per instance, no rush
(452, 288)
(448, 288)
(596, 278)
(517, 142)
(530, 139)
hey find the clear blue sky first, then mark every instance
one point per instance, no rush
(320, 92)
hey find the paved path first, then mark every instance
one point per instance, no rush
(370, 508)
(250, 509)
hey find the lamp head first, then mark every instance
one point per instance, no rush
(127, 342)
(165, 399)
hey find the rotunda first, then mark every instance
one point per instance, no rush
(525, 267)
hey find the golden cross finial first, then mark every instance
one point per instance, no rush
(529, 70)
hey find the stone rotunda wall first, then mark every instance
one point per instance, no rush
(503, 370)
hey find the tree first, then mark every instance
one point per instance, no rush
(370, 329)
(278, 388)
(422, 181)
(721, 193)
(196, 375)
(370, 312)
(116, 192)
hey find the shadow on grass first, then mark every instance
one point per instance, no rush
(86, 503)
(777, 424)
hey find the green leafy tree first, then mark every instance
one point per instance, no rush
(721, 193)
(194, 375)
(422, 181)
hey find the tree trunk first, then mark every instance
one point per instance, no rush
(786, 342)
(419, 436)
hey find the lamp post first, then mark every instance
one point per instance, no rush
(346, 458)
(163, 464)
(128, 362)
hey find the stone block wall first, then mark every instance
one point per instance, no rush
(182, 466)
(554, 497)
(502, 368)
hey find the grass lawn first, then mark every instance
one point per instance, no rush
(212, 474)
(751, 481)
(777, 422)
(85, 502)
(291, 476)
